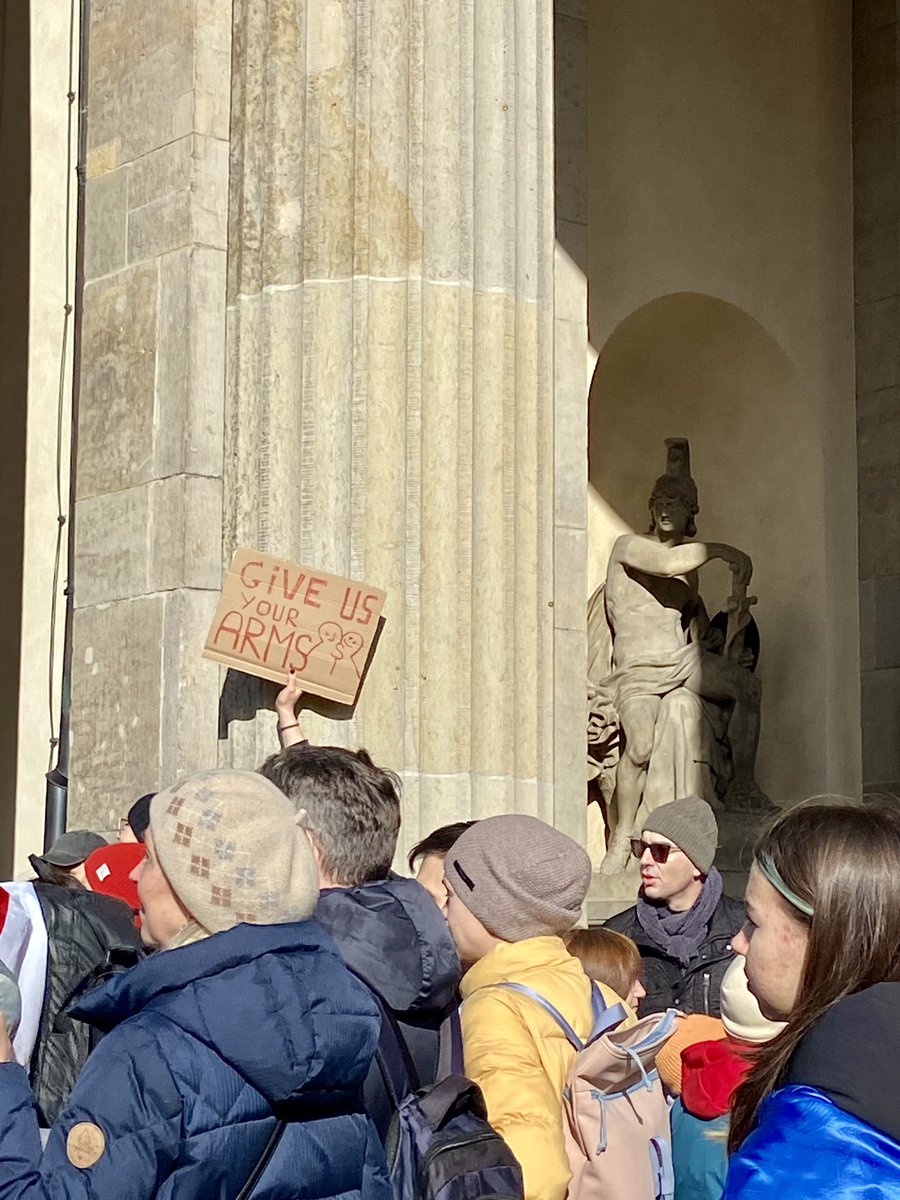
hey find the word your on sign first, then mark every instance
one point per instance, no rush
(276, 615)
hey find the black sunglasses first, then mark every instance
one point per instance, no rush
(660, 851)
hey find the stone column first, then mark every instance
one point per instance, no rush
(391, 411)
(149, 466)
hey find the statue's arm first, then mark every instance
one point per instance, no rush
(653, 558)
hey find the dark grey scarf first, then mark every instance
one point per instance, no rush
(681, 934)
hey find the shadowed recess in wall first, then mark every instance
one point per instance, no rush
(693, 366)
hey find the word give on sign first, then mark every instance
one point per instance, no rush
(276, 615)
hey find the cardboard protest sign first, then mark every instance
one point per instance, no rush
(274, 615)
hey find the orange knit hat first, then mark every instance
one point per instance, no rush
(688, 1031)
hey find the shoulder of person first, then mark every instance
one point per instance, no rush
(867, 1022)
(842, 1156)
(624, 922)
(731, 912)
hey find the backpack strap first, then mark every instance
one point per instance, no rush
(398, 1071)
(451, 1060)
(554, 1012)
(605, 1017)
(662, 1171)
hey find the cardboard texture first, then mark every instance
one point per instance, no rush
(274, 615)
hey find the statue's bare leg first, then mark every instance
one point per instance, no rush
(638, 720)
(720, 679)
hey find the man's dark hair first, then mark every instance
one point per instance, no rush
(353, 807)
(438, 842)
(139, 816)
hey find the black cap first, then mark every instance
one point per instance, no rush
(67, 851)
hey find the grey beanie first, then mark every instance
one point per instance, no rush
(691, 825)
(519, 876)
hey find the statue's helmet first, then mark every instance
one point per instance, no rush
(677, 481)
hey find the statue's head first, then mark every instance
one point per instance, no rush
(674, 502)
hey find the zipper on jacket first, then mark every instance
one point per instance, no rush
(438, 1148)
(706, 992)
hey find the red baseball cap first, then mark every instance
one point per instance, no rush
(108, 870)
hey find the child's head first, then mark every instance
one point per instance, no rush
(610, 958)
(510, 878)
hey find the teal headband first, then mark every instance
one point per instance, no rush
(768, 868)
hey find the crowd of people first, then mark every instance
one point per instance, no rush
(241, 998)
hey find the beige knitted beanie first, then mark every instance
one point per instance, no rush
(234, 850)
(519, 876)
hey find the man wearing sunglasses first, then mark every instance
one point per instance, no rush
(682, 923)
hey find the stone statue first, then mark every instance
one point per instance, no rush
(674, 709)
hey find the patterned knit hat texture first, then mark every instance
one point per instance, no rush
(519, 876)
(234, 849)
(741, 1013)
(690, 824)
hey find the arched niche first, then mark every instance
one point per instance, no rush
(694, 366)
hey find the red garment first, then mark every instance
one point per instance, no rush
(710, 1074)
(109, 869)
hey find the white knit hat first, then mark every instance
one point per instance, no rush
(741, 1014)
(234, 850)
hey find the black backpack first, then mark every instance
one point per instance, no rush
(440, 1145)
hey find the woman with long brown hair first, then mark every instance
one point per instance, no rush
(819, 1112)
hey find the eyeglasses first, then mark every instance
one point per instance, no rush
(659, 850)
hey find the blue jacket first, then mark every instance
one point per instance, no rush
(834, 1130)
(178, 1098)
(699, 1156)
(394, 937)
(806, 1148)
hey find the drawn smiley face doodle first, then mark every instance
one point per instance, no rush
(351, 644)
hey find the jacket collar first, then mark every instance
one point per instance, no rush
(512, 960)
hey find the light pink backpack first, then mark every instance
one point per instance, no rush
(615, 1115)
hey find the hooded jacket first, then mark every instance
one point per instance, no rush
(695, 988)
(393, 937)
(519, 1056)
(711, 1071)
(90, 938)
(178, 1098)
(834, 1130)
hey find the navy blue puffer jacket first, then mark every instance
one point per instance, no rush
(177, 1100)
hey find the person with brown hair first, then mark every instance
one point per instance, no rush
(611, 958)
(427, 858)
(818, 1114)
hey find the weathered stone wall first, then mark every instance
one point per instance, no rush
(149, 511)
(876, 179)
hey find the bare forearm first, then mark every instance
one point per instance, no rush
(655, 559)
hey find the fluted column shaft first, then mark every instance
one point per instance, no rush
(391, 392)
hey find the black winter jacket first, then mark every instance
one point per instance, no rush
(89, 938)
(393, 937)
(696, 987)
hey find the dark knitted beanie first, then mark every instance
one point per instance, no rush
(519, 876)
(690, 824)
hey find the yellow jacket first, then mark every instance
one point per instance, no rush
(519, 1056)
